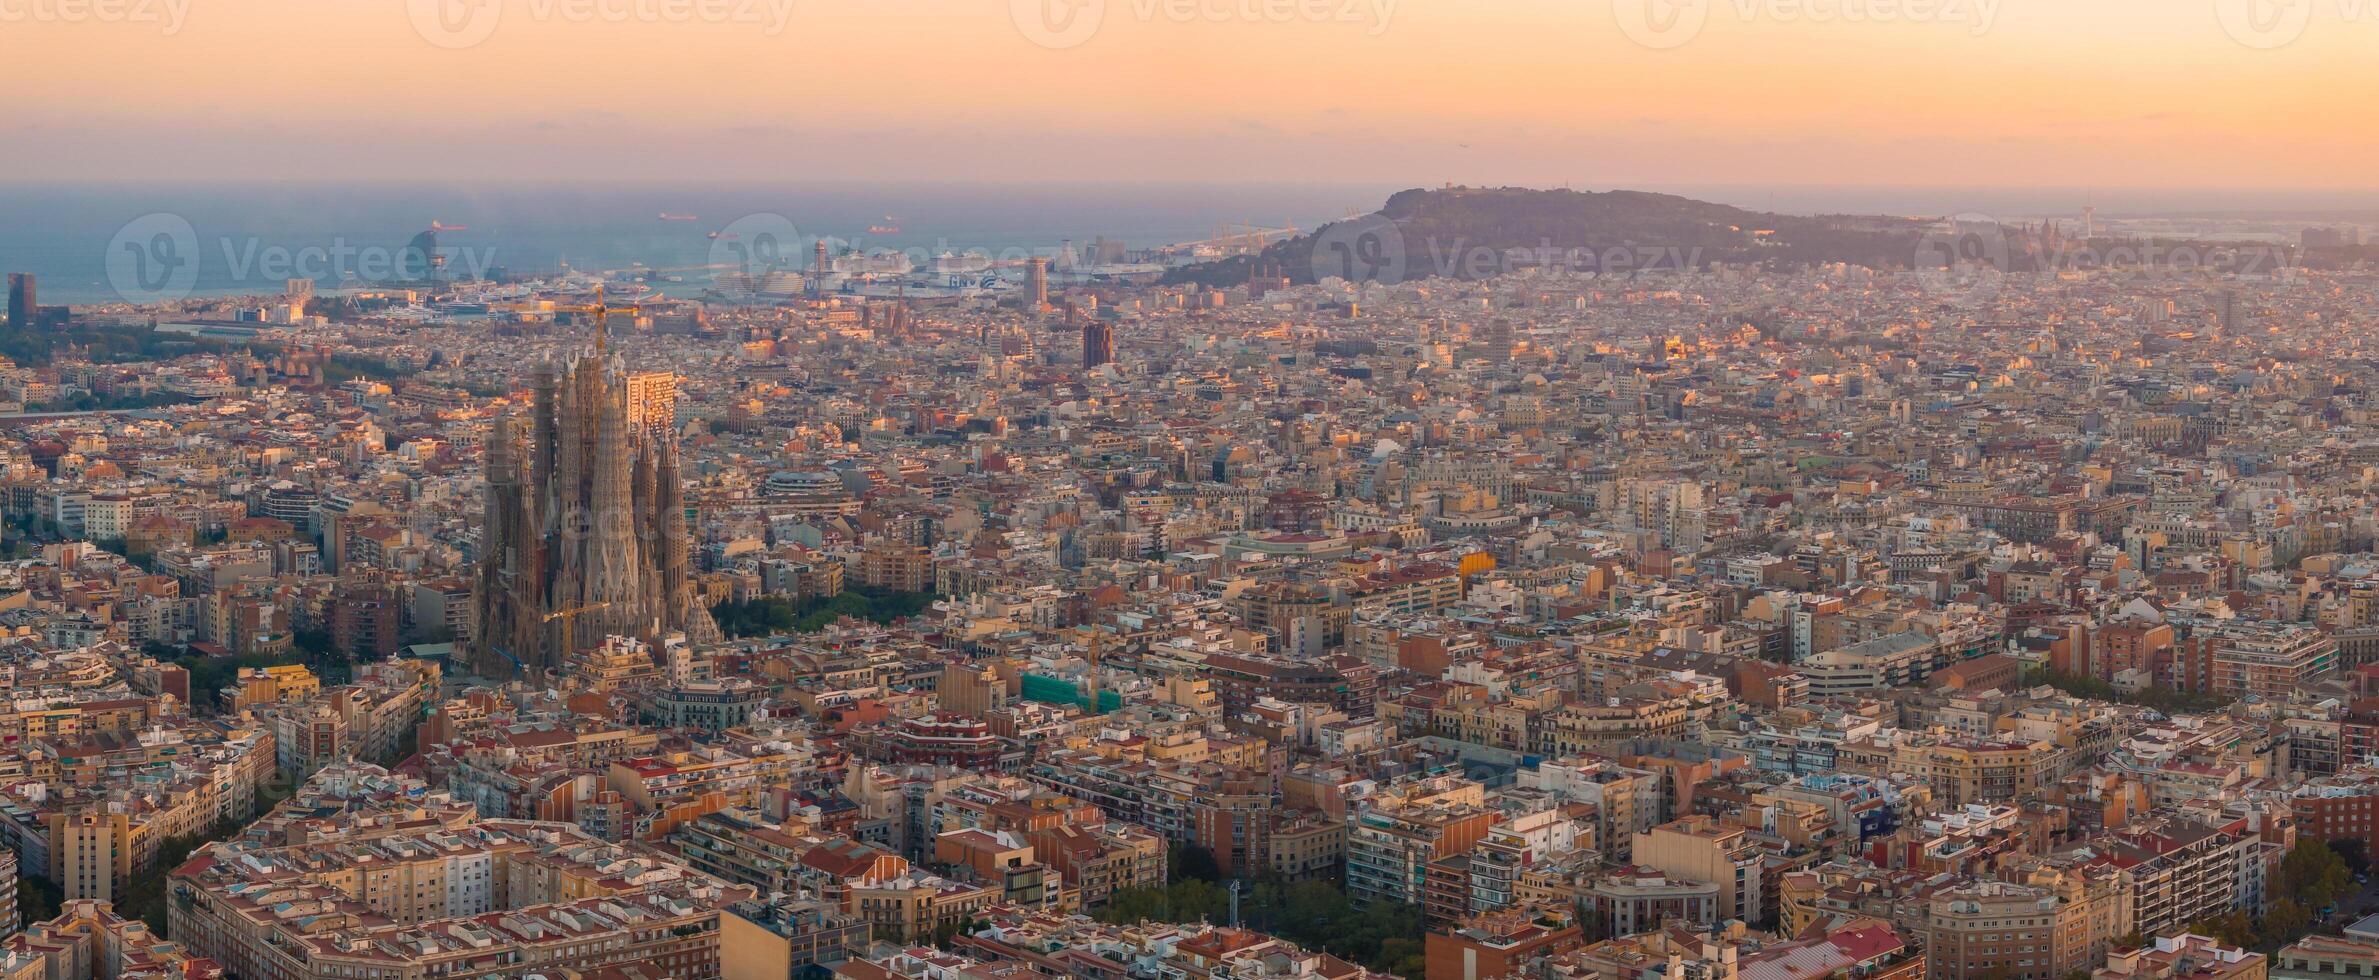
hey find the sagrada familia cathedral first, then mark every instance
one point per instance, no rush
(586, 527)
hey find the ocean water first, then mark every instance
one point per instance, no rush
(252, 237)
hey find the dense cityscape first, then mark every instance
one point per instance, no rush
(1722, 621)
(1189, 490)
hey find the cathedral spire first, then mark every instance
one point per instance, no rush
(594, 543)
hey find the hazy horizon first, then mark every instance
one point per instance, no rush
(2338, 203)
(2204, 95)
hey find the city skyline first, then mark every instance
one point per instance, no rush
(1189, 490)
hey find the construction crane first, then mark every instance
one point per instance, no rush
(574, 611)
(522, 668)
(601, 309)
(518, 668)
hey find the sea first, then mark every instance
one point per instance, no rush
(251, 237)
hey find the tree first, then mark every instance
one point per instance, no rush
(2287, 922)
(2311, 876)
(211, 674)
(2162, 698)
(2354, 852)
(143, 896)
(1403, 956)
(1194, 861)
(38, 899)
(1314, 914)
(2314, 875)
(2233, 928)
(776, 615)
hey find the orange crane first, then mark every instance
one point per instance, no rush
(523, 668)
(601, 310)
(574, 611)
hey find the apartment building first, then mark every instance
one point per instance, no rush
(511, 897)
(1388, 850)
(2004, 929)
(1637, 899)
(1979, 770)
(2268, 660)
(2174, 871)
(917, 906)
(1698, 848)
(1600, 724)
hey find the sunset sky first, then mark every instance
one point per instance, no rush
(2136, 93)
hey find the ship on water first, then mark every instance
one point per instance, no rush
(671, 216)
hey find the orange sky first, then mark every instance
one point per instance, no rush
(2137, 93)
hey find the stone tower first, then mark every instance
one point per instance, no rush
(585, 527)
